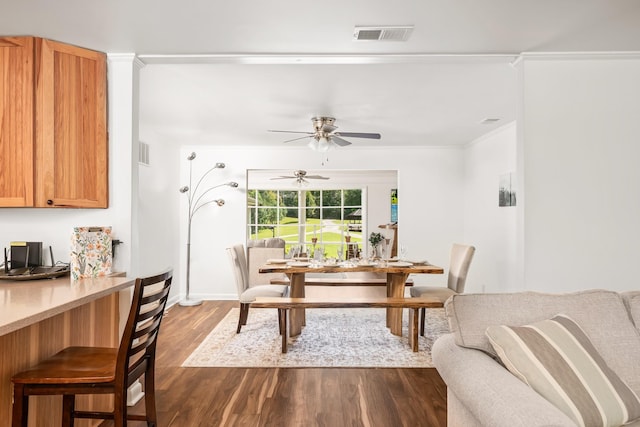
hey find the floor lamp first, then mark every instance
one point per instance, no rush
(195, 203)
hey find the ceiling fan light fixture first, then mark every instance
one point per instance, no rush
(324, 144)
(321, 145)
(325, 136)
(300, 177)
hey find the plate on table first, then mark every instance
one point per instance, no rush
(399, 264)
(424, 262)
(298, 264)
(330, 264)
(367, 264)
(346, 264)
(277, 261)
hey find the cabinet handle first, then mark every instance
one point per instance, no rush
(49, 202)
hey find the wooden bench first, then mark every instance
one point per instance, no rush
(285, 304)
(339, 281)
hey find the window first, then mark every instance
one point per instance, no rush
(330, 217)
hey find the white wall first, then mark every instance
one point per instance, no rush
(430, 207)
(158, 204)
(490, 228)
(581, 148)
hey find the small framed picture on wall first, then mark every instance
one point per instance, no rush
(394, 205)
(507, 190)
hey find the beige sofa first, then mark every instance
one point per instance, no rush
(482, 392)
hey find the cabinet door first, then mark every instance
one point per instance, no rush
(71, 119)
(16, 121)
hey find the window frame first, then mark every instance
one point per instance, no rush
(331, 241)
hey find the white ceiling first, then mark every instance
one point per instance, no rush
(225, 72)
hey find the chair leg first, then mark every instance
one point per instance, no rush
(120, 407)
(20, 407)
(150, 395)
(422, 315)
(244, 314)
(68, 409)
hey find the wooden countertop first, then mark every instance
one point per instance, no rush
(23, 303)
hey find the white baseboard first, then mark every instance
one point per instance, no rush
(213, 297)
(134, 393)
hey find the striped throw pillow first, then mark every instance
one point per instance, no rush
(556, 358)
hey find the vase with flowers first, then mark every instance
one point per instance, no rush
(376, 239)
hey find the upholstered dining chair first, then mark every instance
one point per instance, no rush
(246, 292)
(459, 262)
(100, 370)
(259, 252)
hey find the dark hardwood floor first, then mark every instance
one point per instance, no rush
(282, 396)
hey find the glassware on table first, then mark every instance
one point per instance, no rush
(352, 251)
(403, 253)
(318, 253)
(383, 259)
(294, 252)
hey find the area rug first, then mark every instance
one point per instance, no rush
(331, 338)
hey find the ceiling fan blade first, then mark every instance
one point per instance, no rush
(328, 128)
(339, 141)
(297, 139)
(359, 135)
(289, 131)
(284, 177)
(316, 177)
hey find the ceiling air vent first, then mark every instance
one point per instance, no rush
(396, 34)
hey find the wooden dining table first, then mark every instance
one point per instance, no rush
(396, 273)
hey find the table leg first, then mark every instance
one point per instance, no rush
(395, 289)
(284, 328)
(413, 328)
(296, 315)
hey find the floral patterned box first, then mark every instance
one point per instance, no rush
(91, 254)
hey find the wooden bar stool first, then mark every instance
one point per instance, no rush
(99, 370)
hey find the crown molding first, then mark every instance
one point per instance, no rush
(350, 59)
(126, 57)
(326, 59)
(580, 55)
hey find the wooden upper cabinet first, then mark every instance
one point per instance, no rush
(67, 144)
(16, 121)
(71, 154)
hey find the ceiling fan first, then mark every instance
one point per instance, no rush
(301, 176)
(325, 135)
